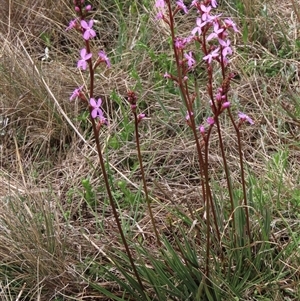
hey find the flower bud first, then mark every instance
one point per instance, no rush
(225, 105)
(210, 120)
(201, 129)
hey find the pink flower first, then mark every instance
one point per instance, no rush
(213, 18)
(226, 47)
(217, 31)
(140, 117)
(205, 12)
(187, 116)
(88, 7)
(202, 129)
(210, 120)
(160, 3)
(198, 28)
(84, 57)
(96, 112)
(72, 24)
(182, 6)
(219, 96)
(190, 61)
(76, 93)
(180, 43)
(244, 117)
(89, 32)
(103, 57)
(194, 3)
(159, 16)
(212, 55)
(231, 24)
(167, 75)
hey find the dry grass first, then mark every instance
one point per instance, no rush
(47, 151)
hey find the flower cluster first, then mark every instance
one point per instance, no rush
(212, 33)
(85, 27)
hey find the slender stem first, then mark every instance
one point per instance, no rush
(112, 204)
(220, 135)
(143, 177)
(226, 169)
(242, 173)
(209, 189)
(91, 69)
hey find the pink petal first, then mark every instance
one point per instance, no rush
(83, 53)
(84, 24)
(86, 35)
(93, 102)
(88, 56)
(94, 113)
(99, 102)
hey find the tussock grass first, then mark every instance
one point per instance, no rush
(49, 229)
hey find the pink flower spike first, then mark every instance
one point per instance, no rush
(96, 112)
(84, 57)
(210, 120)
(88, 7)
(190, 61)
(244, 117)
(76, 93)
(104, 58)
(182, 6)
(89, 32)
(212, 55)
